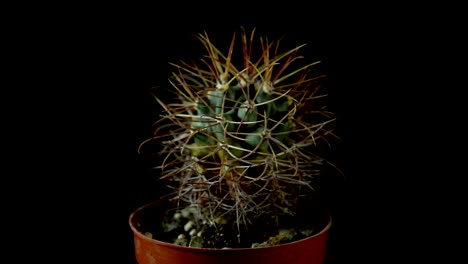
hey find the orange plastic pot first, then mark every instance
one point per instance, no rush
(311, 250)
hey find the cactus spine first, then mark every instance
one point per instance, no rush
(240, 140)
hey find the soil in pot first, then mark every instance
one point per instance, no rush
(162, 222)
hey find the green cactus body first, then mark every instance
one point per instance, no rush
(240, 140)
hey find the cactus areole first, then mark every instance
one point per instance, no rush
(243, 139)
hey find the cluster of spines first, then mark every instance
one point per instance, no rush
(239, 142)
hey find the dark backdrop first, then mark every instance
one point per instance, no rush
(148, 52)
(82, 75)
(142, 56)
(115, 58)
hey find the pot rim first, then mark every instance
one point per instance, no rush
(171, 245)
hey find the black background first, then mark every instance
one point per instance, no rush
(344, 49)
(135, 57)
(91, 71)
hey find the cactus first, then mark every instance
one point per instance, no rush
(241, 142)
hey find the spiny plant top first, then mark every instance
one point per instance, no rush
(240, 141)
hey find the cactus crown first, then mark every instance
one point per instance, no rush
(241, 141)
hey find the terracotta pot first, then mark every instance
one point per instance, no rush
(311, 250)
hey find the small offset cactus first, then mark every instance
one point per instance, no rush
(241, 142)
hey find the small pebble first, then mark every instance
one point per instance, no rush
(192, 232)
(177, 216)
(188, 225)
